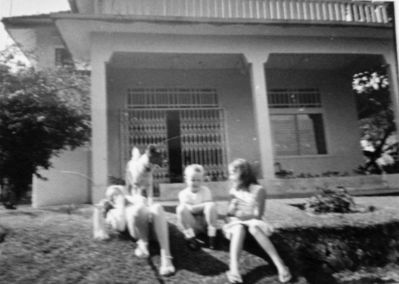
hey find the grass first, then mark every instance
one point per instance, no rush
(56, 246)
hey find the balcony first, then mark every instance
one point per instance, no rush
(296, 11)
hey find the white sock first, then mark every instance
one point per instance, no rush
(189, 233)
(211, 231)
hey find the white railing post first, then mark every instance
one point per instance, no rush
(306, 10)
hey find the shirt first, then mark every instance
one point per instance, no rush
(194, 198)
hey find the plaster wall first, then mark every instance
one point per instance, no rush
(68, 181)
(234, 96)
(255, 48)
(339, 118)
(48, 39)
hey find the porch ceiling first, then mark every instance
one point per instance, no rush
(176, 61)
(350, 62)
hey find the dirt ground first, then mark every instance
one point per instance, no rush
(55, 246)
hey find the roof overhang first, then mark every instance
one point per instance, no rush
(77, 29)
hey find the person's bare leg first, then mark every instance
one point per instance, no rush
(236, 244)
(211, 215)
(186, 220)
(137, 218)
(269, 248)
(162, 232)
(99, 226)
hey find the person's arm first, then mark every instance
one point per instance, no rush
(206, 198)
(260, 200)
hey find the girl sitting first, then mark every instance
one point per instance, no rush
(123, 212)
(245, 214)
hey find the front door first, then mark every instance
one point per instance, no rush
(186, 124)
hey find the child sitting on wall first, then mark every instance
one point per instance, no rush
(196, 211)
(245, 212)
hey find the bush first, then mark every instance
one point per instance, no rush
(330, 201)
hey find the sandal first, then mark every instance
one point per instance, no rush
(234, 278)
(192, 244)
(285, 277)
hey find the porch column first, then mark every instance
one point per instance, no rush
(99, 142)
(394, 90)
(393, 70)
(262, 118)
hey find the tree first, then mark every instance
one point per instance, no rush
(376, 116)
(42, 113)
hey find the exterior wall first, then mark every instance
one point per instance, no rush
(103, 45)
(339, 117)
(68, 180)
(234, 96)
(47, 40)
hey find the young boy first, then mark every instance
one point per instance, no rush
(196, 211)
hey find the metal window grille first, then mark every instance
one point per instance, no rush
(171, 97)
(63, 57)
(294, 98)
(202, 127)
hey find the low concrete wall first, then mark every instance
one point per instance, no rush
(67, 181)
(297, 187)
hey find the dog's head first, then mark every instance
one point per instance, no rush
(155, 156)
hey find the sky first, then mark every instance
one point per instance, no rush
(9, 8)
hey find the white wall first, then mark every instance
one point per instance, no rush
(68, 180)
(339, 116)
(234, 96)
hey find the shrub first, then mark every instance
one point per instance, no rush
(330, 201)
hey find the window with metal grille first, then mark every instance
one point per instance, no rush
(298, 134)
(187, 125)
(171, 97)
(63, 57)
(294, 98)
(296, 117)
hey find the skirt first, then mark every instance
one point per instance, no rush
(251, 224)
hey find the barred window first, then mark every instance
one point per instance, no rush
(297, 122)
(63, 57)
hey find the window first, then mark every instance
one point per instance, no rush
(63, 57)
(297, 122)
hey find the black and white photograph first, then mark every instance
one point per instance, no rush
(199, 141)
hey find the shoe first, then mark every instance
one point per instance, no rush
(167, 270)
(285, 277)
(192, 244)
(212, 242)
(234, 278)
(141, 251)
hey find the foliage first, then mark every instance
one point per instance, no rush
(330, 201)
(42, 112)
(376, 116)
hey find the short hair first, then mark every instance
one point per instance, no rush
(247, 173)
(113, 190)
(192, 169)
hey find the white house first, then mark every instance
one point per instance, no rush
(212, 80)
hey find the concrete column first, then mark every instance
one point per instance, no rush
(262, 118)
(99, 122)
(394, 91)
(393, 70)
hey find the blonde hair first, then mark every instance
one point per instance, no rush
(192, 169)
(113, 190)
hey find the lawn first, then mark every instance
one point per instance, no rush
(56, 246)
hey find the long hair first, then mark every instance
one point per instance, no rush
(247, 174)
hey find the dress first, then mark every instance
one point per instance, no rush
(246, 205)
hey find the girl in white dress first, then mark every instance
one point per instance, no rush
(245, 212)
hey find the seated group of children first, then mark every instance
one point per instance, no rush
(197, 212)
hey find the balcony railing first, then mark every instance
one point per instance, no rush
(332, 11)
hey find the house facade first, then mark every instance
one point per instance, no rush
(213, 80)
